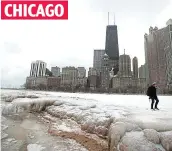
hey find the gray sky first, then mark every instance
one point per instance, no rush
(71, 42)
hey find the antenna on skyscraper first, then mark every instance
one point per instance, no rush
(124, 51)
(108, 18)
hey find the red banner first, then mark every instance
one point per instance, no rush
(34, 10)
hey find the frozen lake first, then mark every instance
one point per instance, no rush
(117, 117)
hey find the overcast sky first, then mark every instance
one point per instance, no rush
(71, 42)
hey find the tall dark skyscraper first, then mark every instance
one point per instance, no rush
(111, 46)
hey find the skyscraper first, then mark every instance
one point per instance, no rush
(38, 69)
(158, 55)
(135, 67)
(98, 55)
(125, 66)
(81, 72)
(111, 46)
(55, 71)
(105, 72)
(142, 71)
(69, 76)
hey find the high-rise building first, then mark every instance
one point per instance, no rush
(38, 69)
(105, 72)
(55, 71)
(111, 47)
(81, 72)
(69, 76)
(142, 71)
(93, 80)
(92, 71)
(158, 55)
(135, 67)
(124, 66)
(98, 55)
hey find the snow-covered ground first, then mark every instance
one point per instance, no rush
(125, 120)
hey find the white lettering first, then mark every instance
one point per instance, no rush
(30, 10)
(49, 12)
(25, 10)
(40, 11)
(59, 6)
(17, 10)
(6, 10)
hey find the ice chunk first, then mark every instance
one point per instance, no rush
(58, 103)
(152, 135)
(11, 109)
(166, 140)
(136, 141)
(132, 127)
(19, 105)
(100, 130)
(8, 98)
(35, 147)
(116, 132)
(63, 127)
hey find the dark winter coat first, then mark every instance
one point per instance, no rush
(152, 92)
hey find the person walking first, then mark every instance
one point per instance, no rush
(151, 92)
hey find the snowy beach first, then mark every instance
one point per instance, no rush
(112, 122)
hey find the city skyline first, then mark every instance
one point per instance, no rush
(32, 41)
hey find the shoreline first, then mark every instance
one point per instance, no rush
(110, 93)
